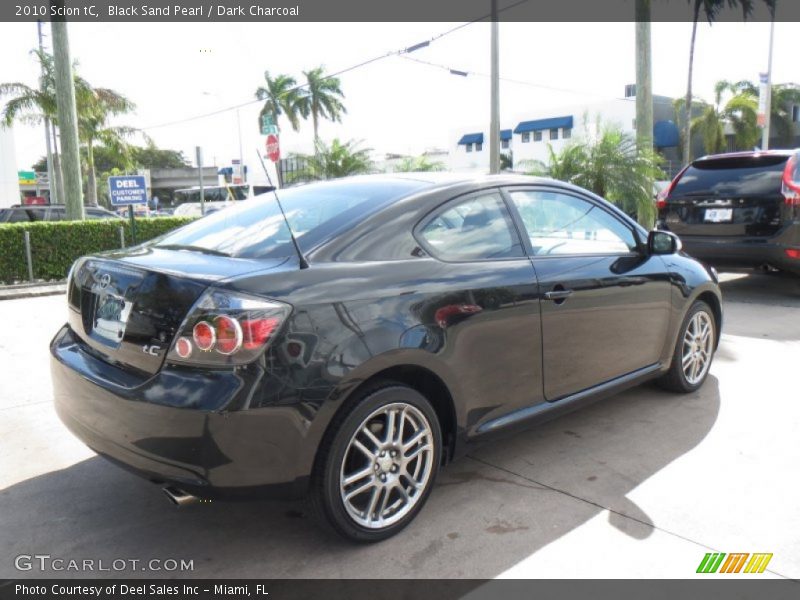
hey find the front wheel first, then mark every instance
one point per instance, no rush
(378, 464)
(694, 350)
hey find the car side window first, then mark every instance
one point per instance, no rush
(476, 228)
(95, 214)
(563, 224)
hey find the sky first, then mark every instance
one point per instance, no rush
(176, 71)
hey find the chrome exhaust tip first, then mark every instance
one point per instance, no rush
(178, 497)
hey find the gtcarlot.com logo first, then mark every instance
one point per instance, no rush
(741, 562)
(46, 562)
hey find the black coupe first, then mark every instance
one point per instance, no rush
(409, 317)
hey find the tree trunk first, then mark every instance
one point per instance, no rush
(644, 82)
(91, 181)
(687, 109)
(315, 120)
(58, 180)
(68, 122)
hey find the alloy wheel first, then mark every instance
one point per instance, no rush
(387, 465)
(698, 347)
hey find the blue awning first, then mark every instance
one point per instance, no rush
(541, 124)
(505, 134)
(471, 138)
(666, 134)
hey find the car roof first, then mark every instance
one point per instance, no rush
(754, 153)
(444, 179)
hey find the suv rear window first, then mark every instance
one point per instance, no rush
(735, 176)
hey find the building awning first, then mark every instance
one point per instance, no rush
(541, 124)
(471, 138)
(666, 134)
(505, 134)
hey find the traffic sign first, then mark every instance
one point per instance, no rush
(273, 148)
(128, 189)
(268, 125)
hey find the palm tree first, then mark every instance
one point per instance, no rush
(94, 106)
(711, 10)
(93, 126)
(281, 97)
(612, 167)
(418, 164)
(322, 99)
(783, 98)
(337, 160)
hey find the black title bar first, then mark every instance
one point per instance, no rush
(143, 11)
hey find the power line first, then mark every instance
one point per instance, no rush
(465, 73)
(401, 52)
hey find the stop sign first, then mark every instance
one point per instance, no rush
(273, 148)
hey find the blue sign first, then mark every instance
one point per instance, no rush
(127, 189)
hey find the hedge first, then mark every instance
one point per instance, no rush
(56, 244)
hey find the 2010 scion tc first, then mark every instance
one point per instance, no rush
(414, 316)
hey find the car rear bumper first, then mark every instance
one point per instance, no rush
(741, 252)
(160, 430)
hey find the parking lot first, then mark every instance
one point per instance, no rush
(640, 485)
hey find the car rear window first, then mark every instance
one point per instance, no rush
(255, 228)
(735, 176)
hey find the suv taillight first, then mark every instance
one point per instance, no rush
(790, 187)
(661, 198)
(227, 328)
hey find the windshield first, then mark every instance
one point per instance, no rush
(255, 228)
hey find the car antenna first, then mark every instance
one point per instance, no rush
(303, 261)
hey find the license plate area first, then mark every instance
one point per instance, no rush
(718, 215)
(112, 293)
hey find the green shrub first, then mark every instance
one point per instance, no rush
(55, 245)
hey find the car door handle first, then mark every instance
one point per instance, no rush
(558, 295)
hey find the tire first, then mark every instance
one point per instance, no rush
(684, 379)
(356, 447)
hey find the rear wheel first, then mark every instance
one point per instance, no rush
(378, 464)
(694, 350)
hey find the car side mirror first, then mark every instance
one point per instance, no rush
(663, 242)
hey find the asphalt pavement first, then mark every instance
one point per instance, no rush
(640, 485)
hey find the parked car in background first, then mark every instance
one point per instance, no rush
(738, 210)
(416, 316)
(49, 212)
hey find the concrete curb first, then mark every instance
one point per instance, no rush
(32, 290)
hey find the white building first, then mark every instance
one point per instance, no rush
(9, 178)
(527, 137)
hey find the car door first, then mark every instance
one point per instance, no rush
(604, 303)
(487, 313)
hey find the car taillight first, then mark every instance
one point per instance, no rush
(227, 328)
(791, 188)
(661, 198)
(793, 252)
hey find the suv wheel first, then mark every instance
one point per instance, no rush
(378, 463)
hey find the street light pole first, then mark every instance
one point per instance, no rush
(67, 121)
(494, 126)
(768, 93)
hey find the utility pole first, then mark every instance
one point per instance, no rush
(199, 156)
(50, 173)
(494, 126)
(241, 154)
(67, 120)
(644, 77)
(768, 93)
